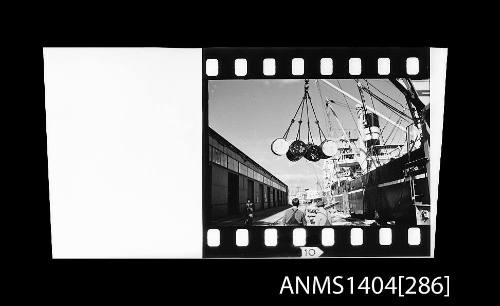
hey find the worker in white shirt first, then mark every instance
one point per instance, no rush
(322, 217)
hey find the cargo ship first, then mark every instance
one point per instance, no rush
(371, 180)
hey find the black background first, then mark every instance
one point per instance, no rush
(458, 245)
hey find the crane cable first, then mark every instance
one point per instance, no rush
(293, 120)
(320, 131)
(300, 121)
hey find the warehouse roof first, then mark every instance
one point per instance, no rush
(226, 143)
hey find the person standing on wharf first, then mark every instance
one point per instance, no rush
(249, 209)
(322, 217)
(294, 216)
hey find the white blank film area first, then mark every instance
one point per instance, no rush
(124, 137)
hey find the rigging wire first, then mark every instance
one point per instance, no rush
(353, 118)
(329, 111)
(371, 98)
(394, 135)
(389, 97)
(386, 124)
(388, 105)
(369, 153)
(325, 110)
(390, 133)
(375, 110)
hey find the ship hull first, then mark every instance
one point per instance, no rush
(385, 192)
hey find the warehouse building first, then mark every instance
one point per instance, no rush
(234, 177)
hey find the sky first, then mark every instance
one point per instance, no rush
(252, 113)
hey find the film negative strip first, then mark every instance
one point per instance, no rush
(230, 174)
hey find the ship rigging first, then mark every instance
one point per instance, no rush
(382, 171)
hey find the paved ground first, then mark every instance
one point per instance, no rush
(274, 219)
(259, 216)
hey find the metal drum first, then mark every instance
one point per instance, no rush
(329, 148)
(323, 156)
(298, 148)
(279, 146)
(292, 157)
(313, 153)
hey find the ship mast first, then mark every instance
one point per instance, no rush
(359, 103)
(369, 131)
(363, 158)
(361, 146)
